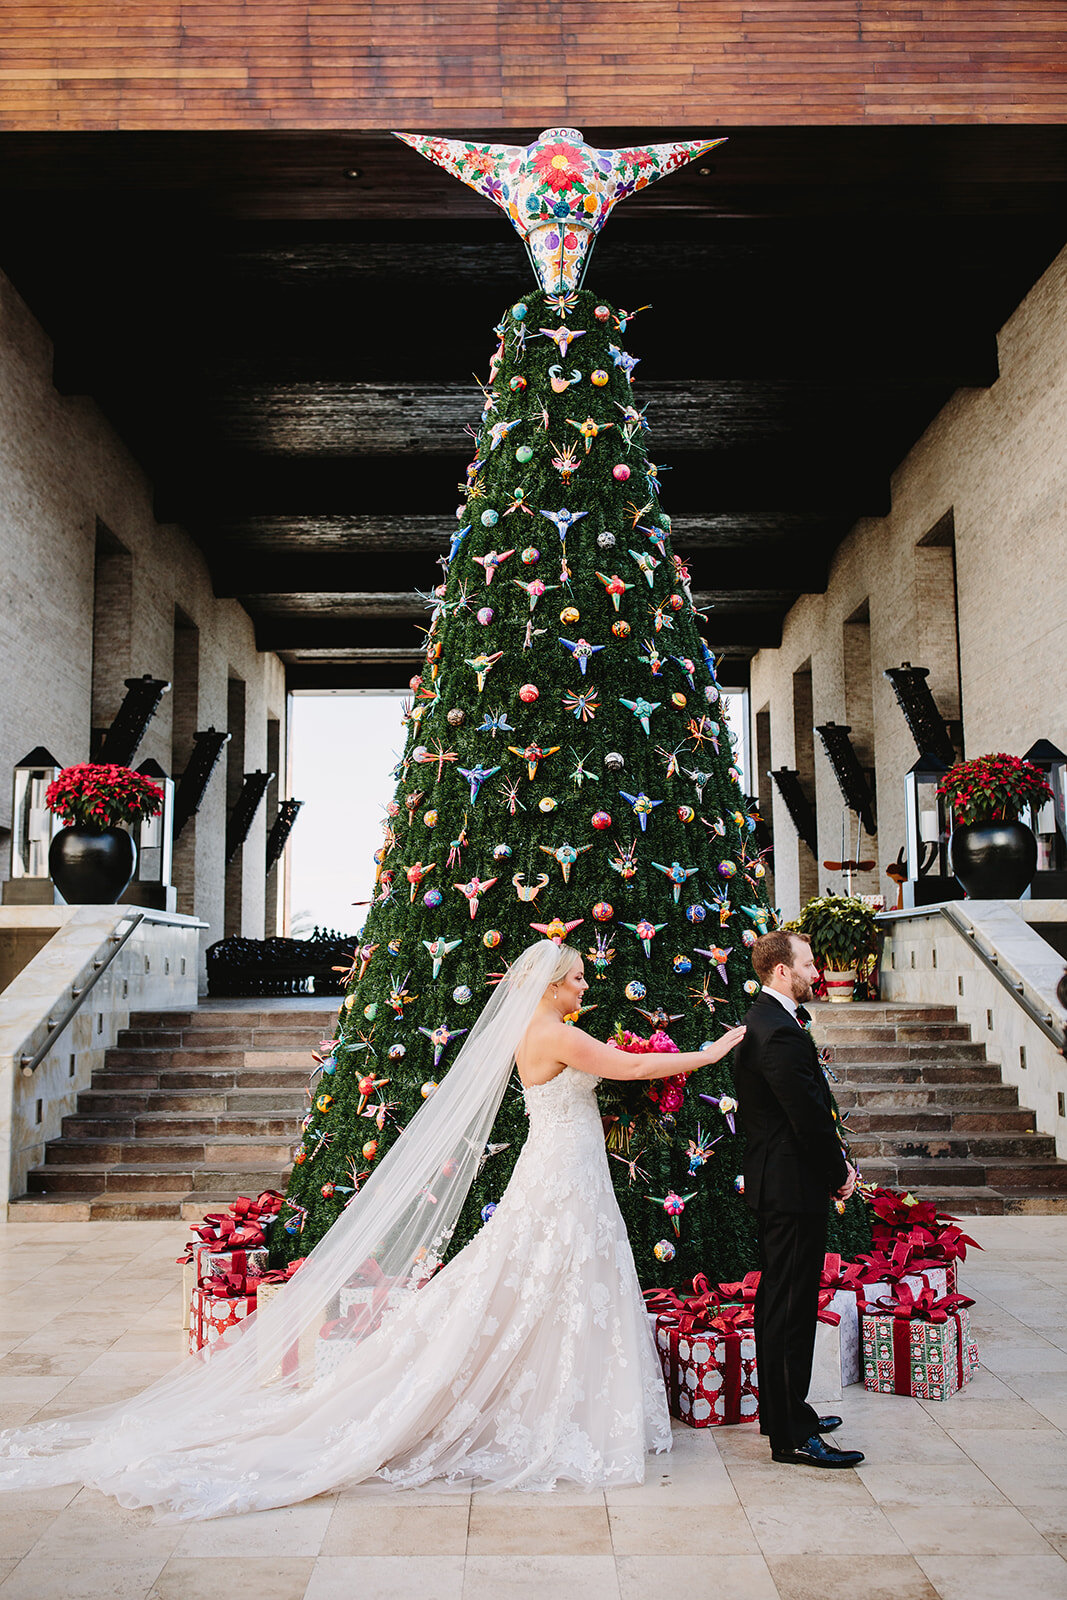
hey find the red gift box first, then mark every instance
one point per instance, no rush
(708, 1351)
(217, 1305)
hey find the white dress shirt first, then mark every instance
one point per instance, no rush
(785, 999)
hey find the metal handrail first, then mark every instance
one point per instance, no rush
(30, 1062)
(1040, 1015)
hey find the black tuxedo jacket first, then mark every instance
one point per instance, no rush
(793, 1156)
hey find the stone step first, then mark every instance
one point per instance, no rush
(157, 1178)
(873, 1012)
(957, 1050)
(169, 1124)
(906, 1032)
(102, 1102)
(935, 1118)
(1006, 1173)
(219, 1150)
(919, 1072)
(950, 1144)
(991, 1095)
(208, 1019)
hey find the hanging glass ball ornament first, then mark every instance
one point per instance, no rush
(547, 804)
(491, 938)
(428, 1088)
(621, 472)
(678, 699)
(327, 1191)
(456, 717)
(517, 384)
(711, 694)
(570, 614)
(635, 990)
(663, 1250)
(393, 947)
(524, 454)
(370, 1011)
(686, 813)
(727, 869)
(461, 512)
(432, 898)
(350, 1000)
(531, 556)
(621, 629)
(682, 964)
(599, 377)
(614, 761)
(752, 986)
(676, 602)
(461, 995)
(430, 818)
(370, 1149)
(601, 820)
(739, 1183)
(397, 1052)
(501, 852)
(518, 311)
(602, 912)
(488, 1209)
(415, 684)
(450, 1168)
(748, 938)
(529, 693)
(489, 518)
(605, 540)
(485, 615)
(759, 870)
(601, 313)
(695, 913)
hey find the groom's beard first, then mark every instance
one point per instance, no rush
(800, 989)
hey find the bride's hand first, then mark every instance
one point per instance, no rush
(723, 1046)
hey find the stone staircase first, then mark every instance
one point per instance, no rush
(190, 1110)
(193, 1108)
(927, 1112)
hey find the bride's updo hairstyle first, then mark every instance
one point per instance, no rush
(565, 957)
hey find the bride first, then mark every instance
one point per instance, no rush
(526, 1362)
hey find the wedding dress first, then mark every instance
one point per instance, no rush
(524, 1363)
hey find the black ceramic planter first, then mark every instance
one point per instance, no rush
(993, 860)
(90, 867)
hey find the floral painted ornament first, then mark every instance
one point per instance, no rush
(558, 191)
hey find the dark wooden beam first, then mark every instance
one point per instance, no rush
(259, 582)
(752, 630)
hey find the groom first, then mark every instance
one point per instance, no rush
(794, 1164)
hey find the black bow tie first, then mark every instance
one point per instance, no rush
(803, 1016)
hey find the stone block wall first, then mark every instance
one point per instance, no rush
(992, 469)
(78, 536)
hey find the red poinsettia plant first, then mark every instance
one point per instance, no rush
(996, 788)
(97, 796)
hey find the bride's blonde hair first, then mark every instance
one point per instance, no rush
(567, 957)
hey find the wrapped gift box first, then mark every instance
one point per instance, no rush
(910, 1350)
(212, 1313)
(837, 1361)
(711, 1373)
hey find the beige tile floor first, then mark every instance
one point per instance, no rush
(966, 1500)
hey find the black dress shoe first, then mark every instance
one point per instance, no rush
(814, 1453)
(829, 1424)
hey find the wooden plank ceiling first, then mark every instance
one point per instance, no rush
(285, 328)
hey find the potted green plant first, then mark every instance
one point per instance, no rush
(992, 853)
(92, 859)
(843, 935)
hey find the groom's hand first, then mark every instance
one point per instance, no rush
(845, 1191)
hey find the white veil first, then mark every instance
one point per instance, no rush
(257, 1382)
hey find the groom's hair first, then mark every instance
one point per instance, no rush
(772, 948)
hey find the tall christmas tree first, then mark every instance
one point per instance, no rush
(568, 770)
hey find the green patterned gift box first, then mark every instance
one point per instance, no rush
(914, 1355)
